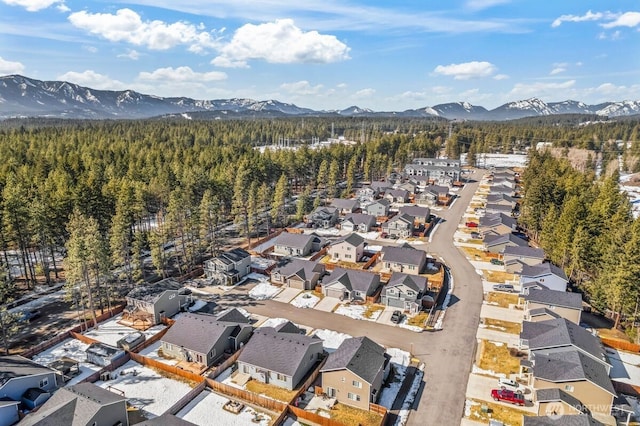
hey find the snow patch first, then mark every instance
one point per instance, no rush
(331, 340)
(305, 300)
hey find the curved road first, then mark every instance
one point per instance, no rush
(447, 354)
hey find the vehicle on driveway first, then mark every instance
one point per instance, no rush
(396, 317)
(509, 384)
(504, 287)
(497, 262)
(511, 397)
(471, 224)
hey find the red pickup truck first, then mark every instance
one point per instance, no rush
(471, 224)
(508, 396)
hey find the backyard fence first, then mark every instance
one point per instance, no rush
(143, 360)
(226, 364)
(45, 345)
(310, 380)
(620, 344)
(83, 338)
(250, 397)
(182, 402)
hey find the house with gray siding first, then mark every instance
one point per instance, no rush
(298, 273)
(404, 291)
(349, 248)
(228, 268)
(381, 186)
(300, 245)
(547, 274)
(278, 358)
(147, 304)
(515, 257)
(323, 217)
(346, 205)
(358, 222)
(397, 195)
(497, 243)
(350, 284)
(19, 374)
(84, 404)
(403, 259)
(378, 208)
(421, 215)
(400, 225)
(204, 339)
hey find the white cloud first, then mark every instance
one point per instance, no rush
(181, 74)
(557, 70)
(540, 89)
(10, 67)
(342, 85)
(90, 78)
(224, 62)
(501, 77)
(301, 88)
(627, 19)
(364, 93)
(90, 49)
(467, 70)
(484, 4)
(589, 16)
(280, 42)
(34, 5)
(127, 26)
(132, 54)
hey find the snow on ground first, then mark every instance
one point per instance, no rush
(197, 305)
(147, 390)
(445, 303)
(152, 352)
(356, 312)
(374, 248)
(625, 366)
(331, 340)
(633, 192)
(305, 300)
(325, 232)
(496, 343)
(498, 160)
(208, 406)
(467, 406)
(369, 236)
(399, 361)
(261, 262)
(415, 328)
(263, 291)
(290, 421)
(477, 370)
(403, 414)
(110, 331)
(273, 322)
(70, 348)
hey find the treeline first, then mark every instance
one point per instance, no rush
(585, 226)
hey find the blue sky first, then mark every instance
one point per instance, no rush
(387, 55)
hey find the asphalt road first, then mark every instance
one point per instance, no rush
(447, 354)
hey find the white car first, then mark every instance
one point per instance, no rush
(509, 384)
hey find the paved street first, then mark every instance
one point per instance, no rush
(447, 354)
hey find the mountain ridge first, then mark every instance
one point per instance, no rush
(22, 96)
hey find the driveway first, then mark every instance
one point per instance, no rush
(479, 387)
(327, 304)
(512, 340)
(287, 295)
(505, 314)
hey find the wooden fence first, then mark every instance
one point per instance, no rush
(371, 261)
(626, 388)
(153, 339)
(143, 360)
(378, 409)
(226, 364)
(263, 240)
(319, 254)
(621, 344)
(83, 338)
(313, 417)
(45, 345)
(250, 397)
(109, 314)
(182, 402)
(310, 380)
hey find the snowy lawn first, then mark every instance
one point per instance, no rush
(305, 300)
(358, 312)
(110, 331)
(208, 406)
(403, 415)
(147, 390)
(625, 366)
(70, 348)
(197, 305)
(331, 339)
(263, 290)
(399, 361)
(152, 352)
(273, 322)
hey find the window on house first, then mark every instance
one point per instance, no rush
(353, 396)
(44, 382)
(356, 384)
(568, 388)
(245, 369)
(347, 256)
(343, 379)
(280, 377)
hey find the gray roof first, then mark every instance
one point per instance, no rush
(151, 293)
(543, 311)
(358, 218)
(404, 255)
(74, 406)
(557, 395)
(494, 240)
(345, 203)
(560, 332)
(166, 420)
(556, 298)
(354, 280)
(288, 327)
(493, 198)
(398, 193)
(353, 239)
(415, 211)
(197, 332)
(495, 219)
(304, 269)
(233, 256)
(404, 217)
(414, 282)
(565, 420)
(500, 189)
(571, 366)
(380, 185)
(492, 207)
(524, 251)
(324, 211)
(288, 239)
(382, 201)
(233, 315)
(437, 189)
(543, 269)
(360, 355)
(13, 366)
(279, 352)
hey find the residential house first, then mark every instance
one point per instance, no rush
(298, 273)
(103, 355)
(564, 420)
(323, 217)
(502, 189)
(204, 339)
(18, 377)
(147, 304)
(404, 291)
(358, 222)
(378, 208)
(545, 273)
(497, 224)
(515, 257)
(498, 208)
(280, 359)
(502, 199)
(355, 372)
(566, 305)
(421, 215)
(9, 412)
(366, 193)
(503, 181)
(349, 248)
(400, 226)
(228, 268)
(407, 186)
(381, 186)
(397, 195)
(346, 205)
(403, 259)
(301, 245)
(441, 171)
(433, 195)
(497, 243)
(350, 284)
(562, 402)
(440, 162)
(81, 405)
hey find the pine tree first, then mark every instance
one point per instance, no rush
(8, 320)
(278, 208)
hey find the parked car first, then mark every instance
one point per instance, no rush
(497, 262)
(503, 287)
(510, 384)
(511, 397)
(476, 235)
(396, 317)
(471, 224)
(29, 314)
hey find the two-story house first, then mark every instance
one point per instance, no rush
(421, 215)
(404, 291)
(397, 195)
(545, 273)
(543, 304)
(349, 248)
(228, 268)
(378, 208)
(20, 378)
(496, 243)
(323, 217)
(497, 224)
(358, 222)
(515, 257)
(401, 226)
(147, 304)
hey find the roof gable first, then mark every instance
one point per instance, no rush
(555, 298)
(360, 355)
(198, 332)
(414, 282)
(404, 255)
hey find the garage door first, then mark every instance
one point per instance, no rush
(396, 303)
(333, 292)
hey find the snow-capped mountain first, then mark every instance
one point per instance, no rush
(25, 97)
